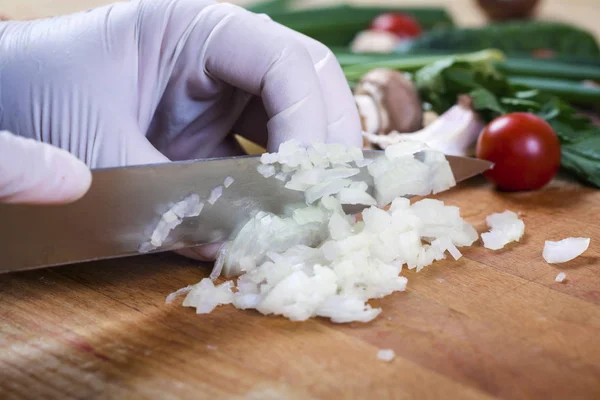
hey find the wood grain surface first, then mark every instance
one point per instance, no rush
(492, 325)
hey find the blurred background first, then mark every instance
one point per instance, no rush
(464, 12)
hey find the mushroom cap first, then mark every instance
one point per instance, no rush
(396, 96)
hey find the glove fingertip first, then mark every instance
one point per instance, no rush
(39, 173)
(75, 178)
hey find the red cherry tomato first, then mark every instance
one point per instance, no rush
(400, 25)
(524, 149)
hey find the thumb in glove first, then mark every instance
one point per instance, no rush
(33, 172)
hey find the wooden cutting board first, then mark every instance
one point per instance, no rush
(492, 325)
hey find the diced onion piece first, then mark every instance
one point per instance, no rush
(228, 181)
(404, 148)
(166, 224)
(560, 277)
(355, 196)
(505, 227)
(308, 214)
(282, 176)
(269, 158)
(400, 177)
(327, 188)
(188, 207)
(218, 267)
(564, 250)
(441, 174)
(205, 296)
(215, 194)
(386, 355)
(266, 170)
(344, 309)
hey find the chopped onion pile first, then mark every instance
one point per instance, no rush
(318, 261)
(564, 250)
(325, 170)
(505, 227)
(386, 355)
(560, 277)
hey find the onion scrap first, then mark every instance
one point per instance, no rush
(564, 250)
(505, 227)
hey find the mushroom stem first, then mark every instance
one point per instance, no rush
(388, 101)
(369, 113)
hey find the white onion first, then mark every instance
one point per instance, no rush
(205, 296)
(386, 355)
(401, 174)
(564, 250)
(308, 214)
(404, 148)
(355, 196)
(228, 181)
(266, 170)
(282, 176)
(560, 277)
(218, 267)
(324, 189)
(505, 227)
(318, 261)
(191, 206)
(215, 194)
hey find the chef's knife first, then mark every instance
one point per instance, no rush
(123, 206)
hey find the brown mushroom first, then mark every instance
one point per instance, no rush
(388, 101)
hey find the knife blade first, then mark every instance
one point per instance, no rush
(123, 205)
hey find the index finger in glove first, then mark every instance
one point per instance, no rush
(343, 121)
(265, 59)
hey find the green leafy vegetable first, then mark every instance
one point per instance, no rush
(356, 70)
(574, 92)
(441, 82)
(548, 69)
(511, 38)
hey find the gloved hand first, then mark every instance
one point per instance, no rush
(149, 81)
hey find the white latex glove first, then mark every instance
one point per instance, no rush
(149, 81)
